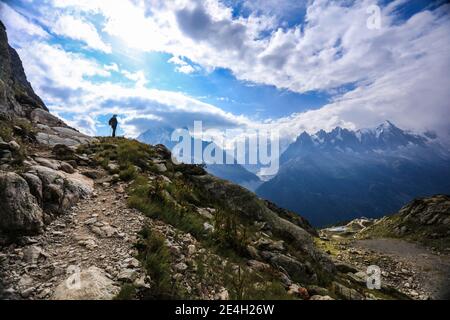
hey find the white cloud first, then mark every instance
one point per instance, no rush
(85, 123)
(20, 29)
(182, 66)
(188, 69)
(138, 77)
(57, 75)
(78, 29)
(111, 67)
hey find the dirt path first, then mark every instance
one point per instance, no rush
(430, 270)
(99, 231)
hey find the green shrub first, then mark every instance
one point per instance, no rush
(128, 174)
(183, 192)
(132, 151)
(125, 151)
(229, 233)
(6, 132)
(148, 198)
(103, 162)
(127, 292)
(245, 285)
(156, 259)
(26, 126)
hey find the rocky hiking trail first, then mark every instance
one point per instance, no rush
(98, 232)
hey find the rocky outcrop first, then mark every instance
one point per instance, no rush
(5, 152)
(58, 135)
(60, 190)
(18, 100)
(45, 187)
(294, 268)
(292, 217)
(44, 117)
(273, 221)
(247, 204)
(432, 212)
(30, 200)
(20, 212)
(16, 94)
(426, 220)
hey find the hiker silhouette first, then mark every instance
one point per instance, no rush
(113, 123)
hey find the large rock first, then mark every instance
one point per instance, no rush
(35, 185)
(62, 135)
(63, 152)
(61, 190)
(49, 163)
(69, 132)
(20, 212)
(296, 270)
(51, 140)
(90, 284)
(45, 117)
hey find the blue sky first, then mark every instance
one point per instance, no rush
(289, 65)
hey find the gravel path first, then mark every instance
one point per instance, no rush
(99, 231)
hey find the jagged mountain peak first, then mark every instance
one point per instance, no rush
(387, 128)
(387, 125)
(386, 136)
(330, 176)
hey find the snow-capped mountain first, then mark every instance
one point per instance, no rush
(385, 137)
(343, 174)
(232, 172)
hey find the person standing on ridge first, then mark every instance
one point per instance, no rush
(113, 123)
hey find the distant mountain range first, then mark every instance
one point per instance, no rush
(335, 176)
(231, 172)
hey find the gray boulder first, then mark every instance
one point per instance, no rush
(20, 212)
(60, 191)
(295, 269)
(44, 117)
(35, 185)
(63, 152)
(14, 146)
(53, 139)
